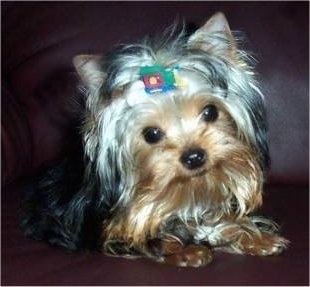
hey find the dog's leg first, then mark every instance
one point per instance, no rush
(262, 244)
(173, 252)
(260, 238)
(254, 236)
(176, 245)
(166, 248)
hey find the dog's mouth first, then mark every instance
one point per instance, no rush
(196, 173)
(199, 173)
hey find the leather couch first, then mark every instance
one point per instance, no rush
(38, 83)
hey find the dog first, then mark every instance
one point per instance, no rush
(174, 155)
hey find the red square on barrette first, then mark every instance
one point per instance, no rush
(153, 81)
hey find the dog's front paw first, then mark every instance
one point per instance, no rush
(264, 245)
(190, 256)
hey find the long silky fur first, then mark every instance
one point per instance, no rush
(70, 208)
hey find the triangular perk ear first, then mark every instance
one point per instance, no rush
(215, 37)
(89, 69)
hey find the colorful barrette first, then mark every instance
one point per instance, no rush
(157, 79)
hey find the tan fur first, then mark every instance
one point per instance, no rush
(229, 183)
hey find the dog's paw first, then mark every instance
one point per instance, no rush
(190, 256)
(265, 245)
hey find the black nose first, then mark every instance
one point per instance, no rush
(193, 158)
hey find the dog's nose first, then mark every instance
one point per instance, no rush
(193, 158)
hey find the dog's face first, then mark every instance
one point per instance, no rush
(183, 151)
(196, 151)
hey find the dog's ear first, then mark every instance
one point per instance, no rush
(215, 37)
(89, 69)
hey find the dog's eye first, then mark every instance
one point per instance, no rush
(152, 135)
(210, 113)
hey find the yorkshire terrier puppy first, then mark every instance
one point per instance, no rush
(175, 155)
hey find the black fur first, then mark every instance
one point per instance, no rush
(58, 207)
